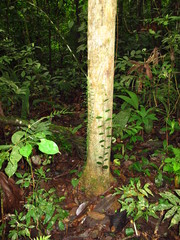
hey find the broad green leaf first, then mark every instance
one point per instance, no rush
(129, 101)
(175, 219)
(176, 152)
(176, 166)
(129, 231)
(14, 236)
(40, 135)
(48, 146)
(11, 169)
(117, 162)
(147, 172)
(152, 31)
(74, 182)
(61, 225)
(26, 184)
(26, 150)
(177, 191)
(168, 160)
(146, 187)
(138, 215)
(142, 203)
(170, 212)
(152, 213)
(140, 189)
(49, 213)
(132, 53)
(15, 156)
(168, 168)
(16, 137)
(76, 128)
(5, 147)
(52, 190)
(14, 159)
(25, 232)
(19, 175)
(135, 101)
(163, 206)
(52, 221)
(138, 185)
(171, 197)
(31, 213)
(23, 73)
(152, 116)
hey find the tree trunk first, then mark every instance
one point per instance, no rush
(101, 41)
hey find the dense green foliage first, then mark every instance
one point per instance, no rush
(43, 62)
(43, 51)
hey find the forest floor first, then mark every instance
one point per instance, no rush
(87, 218)
(92, 222)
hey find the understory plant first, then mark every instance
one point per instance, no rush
(139, 114)
(143, 166)
(153, 76)
(42, 238)
(170, 203)
(24, 141)
(134, 199)
(21, 75)
(42, 209)
(171, 127)
(172, 164)
(131, 121)
(41, 212)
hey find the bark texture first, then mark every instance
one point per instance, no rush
(101, 42)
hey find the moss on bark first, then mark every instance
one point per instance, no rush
(94, 184)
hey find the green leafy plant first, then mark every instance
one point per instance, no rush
(123, 64)
(42, 238)
(123, 129)
(24, 141)
(144, 118)
(171, 204)
(43, 208)
(42, 212)
(128, 137)
(24, 179)
(171, 127)
(105, 135)
(21, 74)
(172, 164)
(132, 100)
(143, 166)
(131, 120)
(19, 227)
(41, 174)
(74, 182)
(134, 200)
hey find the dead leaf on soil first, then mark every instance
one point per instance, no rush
(96, 215)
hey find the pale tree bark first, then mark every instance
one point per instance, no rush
(96, 177)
